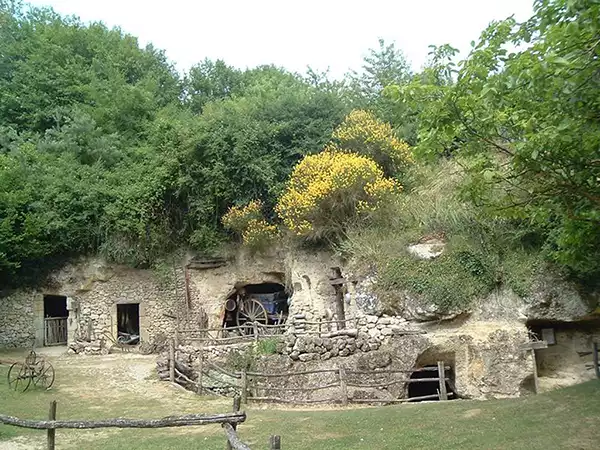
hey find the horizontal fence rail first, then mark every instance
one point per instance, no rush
(254, 386)
(228, 421)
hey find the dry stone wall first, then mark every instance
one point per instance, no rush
(17, 327)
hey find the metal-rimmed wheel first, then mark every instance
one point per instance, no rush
(19, 377)
(45, 377)
(249, 311)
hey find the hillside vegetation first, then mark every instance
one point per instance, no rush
(105, 148)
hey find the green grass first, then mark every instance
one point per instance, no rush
(563, 419)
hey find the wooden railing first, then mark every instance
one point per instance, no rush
(229, 422)
(251, 384)
(252, 331)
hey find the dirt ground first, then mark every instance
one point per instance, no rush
(116, 385)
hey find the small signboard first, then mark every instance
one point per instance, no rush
(548, 336)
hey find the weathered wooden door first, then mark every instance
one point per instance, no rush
(55, 330)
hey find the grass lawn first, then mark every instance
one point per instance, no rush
(563, 419)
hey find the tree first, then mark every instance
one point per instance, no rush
(530, 122)
(210, 81)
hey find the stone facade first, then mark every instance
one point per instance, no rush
(482, 346)
(17, 323)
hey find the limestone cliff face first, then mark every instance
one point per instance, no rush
(482, 344)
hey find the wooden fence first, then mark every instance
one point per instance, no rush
(252, 387)
(55, 330)
(252, 331)
(229, 422)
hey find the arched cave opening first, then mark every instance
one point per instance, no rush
(264, 303)
(426, 368)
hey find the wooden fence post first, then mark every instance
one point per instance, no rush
(171, 361)
(244, 379)
(442, 380)
(200, 369)
(52, 431)
(343, 386)
(255, 330)
(275, 442)
(236, 407)
(596, 367)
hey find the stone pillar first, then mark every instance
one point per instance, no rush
(73, 320)
(38, 319)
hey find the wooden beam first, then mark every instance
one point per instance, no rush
(534, 345)
(171, 421)
(52, 431)
(233, 440)
(596, 366)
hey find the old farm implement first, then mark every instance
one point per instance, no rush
(34, 369)
(244, 309)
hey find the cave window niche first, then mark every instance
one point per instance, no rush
(264, 303)
(429, 389)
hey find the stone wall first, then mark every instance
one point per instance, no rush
(95, 306)
(17, 325)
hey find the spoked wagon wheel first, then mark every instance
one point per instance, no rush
(45, 377)
(251, 310)
(19, 377)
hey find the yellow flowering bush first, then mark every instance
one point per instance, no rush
(363, 133)
(327, 190)
(249, 223)
(259, 234)
(237, 218)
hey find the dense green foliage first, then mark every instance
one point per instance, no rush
(530, 121)
(105, 148)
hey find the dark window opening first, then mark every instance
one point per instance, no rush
(263, 303)
(428, 390)
(55, 306)
(128, 323)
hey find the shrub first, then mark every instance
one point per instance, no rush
(237, 218)
(259, 234)
(327, 190)
(267, 346)
(363, 133)
(452, 281)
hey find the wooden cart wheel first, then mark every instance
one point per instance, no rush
(251, 310)
(19, 377)
(45, 377)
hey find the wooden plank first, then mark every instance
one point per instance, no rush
(244, 398)
(237, 403)
(398, 400)
(52, 431)
(536, 381)
(171, 361)
(343, 387)
(171, 421)
(274, 442)
(442, 381)
(233, 441)
(596, 366)
(534, 345)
